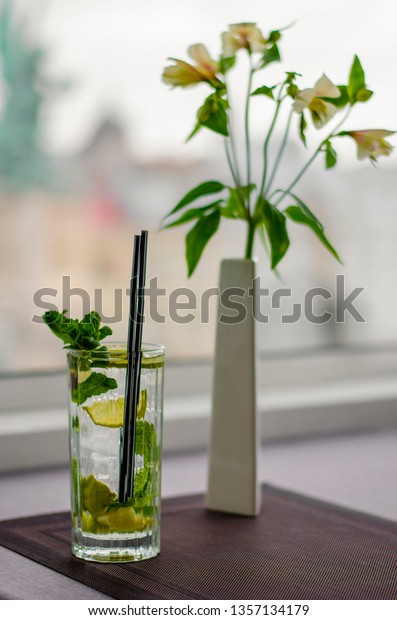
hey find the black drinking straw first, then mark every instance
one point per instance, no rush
(134, 343)
(137, 346)
(133, 308)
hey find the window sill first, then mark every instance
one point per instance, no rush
(37, 438)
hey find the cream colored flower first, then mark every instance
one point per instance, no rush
(185, 74)
(371, 143)
(205, 64)
(313, 98)
(245, 35)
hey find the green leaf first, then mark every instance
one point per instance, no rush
(264, 90)
(192, 214)
(292, 90)
(276, 228)
(75, 424)
(194, 131)
(291, 76)
(235, 206)
(342, 100)
(274, 36)
(227, 63)
(92, 319)
(331, 156)
(262, 236)
(302, 128)
(208, 187)
(290, 79)
(85, 334)
(97, 383)
(146, 446)
(364, 94)
(60, 325)
(142, 480)
(302, 205)
(272, 54)
(356, 80)
(145, 440)
(213, 115)
(104, 332)
(298, 215)
(198, 237)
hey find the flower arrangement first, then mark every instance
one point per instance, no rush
(262, 206)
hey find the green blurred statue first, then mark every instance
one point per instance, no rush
(23, 164)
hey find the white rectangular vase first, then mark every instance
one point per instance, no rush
(233, 484)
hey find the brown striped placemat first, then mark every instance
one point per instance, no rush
(298, 548)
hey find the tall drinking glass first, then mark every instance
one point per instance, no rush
(103, 528)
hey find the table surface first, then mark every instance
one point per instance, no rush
(297, 548)
(356, 471)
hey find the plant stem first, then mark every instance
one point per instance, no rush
(266, 144)
(339, 125)
(233, 157)
(300, 175)
(279, 154)
(229, 161)
(250, 240)
(247, 132)
(312, 158)
(236, 180)
(234, 154)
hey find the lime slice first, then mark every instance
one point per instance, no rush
(84, 374)
(110, 413)
(142, 405)
(152, 362)
(121, 520)
(95, 495)
(88, 523)
(119, 360)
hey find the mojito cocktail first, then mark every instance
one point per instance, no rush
(103, 528)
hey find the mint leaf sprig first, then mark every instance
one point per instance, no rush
(85, 334)
(146, 445)
(97, 383)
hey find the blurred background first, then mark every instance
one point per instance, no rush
(92, 150)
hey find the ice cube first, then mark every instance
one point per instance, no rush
(105, 469)
(101, 439)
